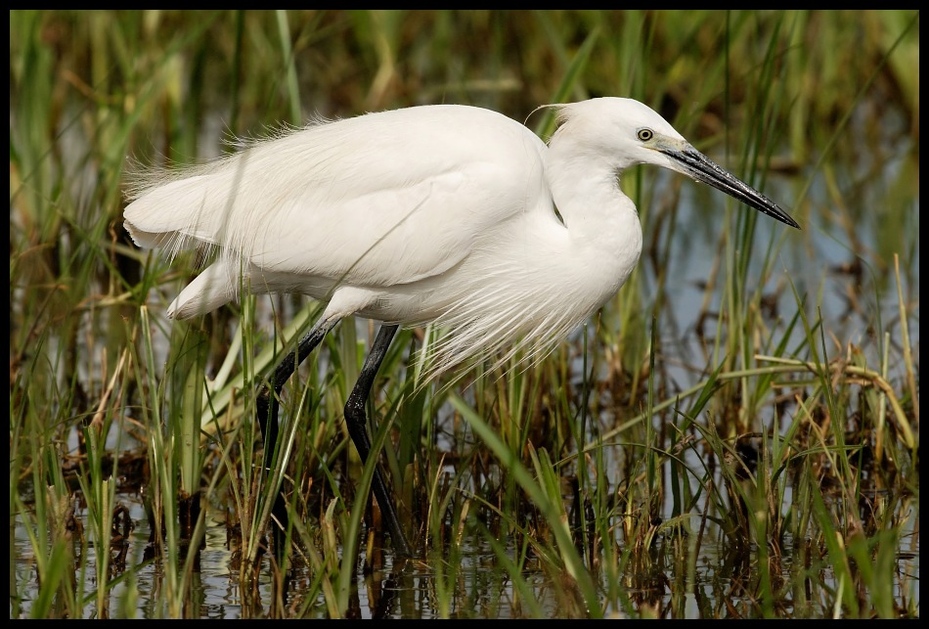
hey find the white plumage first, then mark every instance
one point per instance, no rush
(440, 213)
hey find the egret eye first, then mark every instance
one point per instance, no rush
(645, 134)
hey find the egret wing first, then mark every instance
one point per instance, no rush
(377, 200)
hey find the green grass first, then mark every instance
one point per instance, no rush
(756, 457)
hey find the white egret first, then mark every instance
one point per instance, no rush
(444, 213)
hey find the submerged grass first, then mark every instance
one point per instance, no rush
(753, 453)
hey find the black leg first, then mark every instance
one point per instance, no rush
(356, 422)
(267, 408)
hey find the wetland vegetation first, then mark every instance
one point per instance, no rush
(735, 435)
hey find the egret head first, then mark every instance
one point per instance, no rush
(626, 133)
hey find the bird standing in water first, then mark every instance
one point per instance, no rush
(445, 214)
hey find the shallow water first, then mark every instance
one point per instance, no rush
(482, 588)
